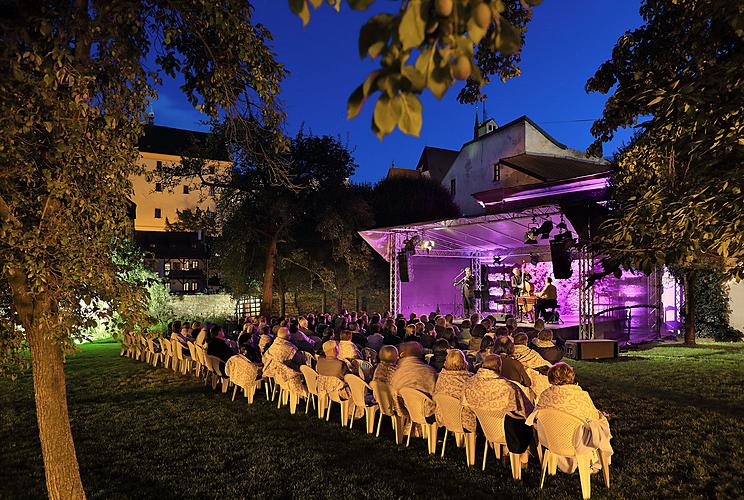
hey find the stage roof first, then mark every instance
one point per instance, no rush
(479, 236)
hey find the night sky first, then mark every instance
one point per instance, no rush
(566, 42)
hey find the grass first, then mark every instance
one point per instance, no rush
(142, 432)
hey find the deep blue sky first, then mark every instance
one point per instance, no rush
(566, 42)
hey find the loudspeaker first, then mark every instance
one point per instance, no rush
(403, 267)
(560, 254)
(592, 349)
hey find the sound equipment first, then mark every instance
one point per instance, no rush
(560, 255)
(403, 267)
(592, 349)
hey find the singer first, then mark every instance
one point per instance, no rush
(467, 283)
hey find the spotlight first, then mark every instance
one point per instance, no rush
(530, 237)
(545, 229)
(496, 259)
(427, 245)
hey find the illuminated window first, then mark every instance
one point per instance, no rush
(167, 268)
(194, 285)
(194, 264)
(186, 286)
(496, 172)
(157, 213)
(186, 265)
(453, 187)
(158, 187)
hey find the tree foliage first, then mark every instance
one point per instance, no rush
(75, 80)
(402, 200)
(677, 187)
(431, 44)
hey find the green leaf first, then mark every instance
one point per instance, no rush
(411, 115)
(440, 81)
(299, 7)
(387, 113)
(360, 4)
(508, 40)
(417, 79)
(411, 30)
(374, 35)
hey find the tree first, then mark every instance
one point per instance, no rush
(451, 39)
(74, 86)
(266, 226)
(677, 188)
(401, 200)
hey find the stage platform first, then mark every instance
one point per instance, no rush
(609, 329)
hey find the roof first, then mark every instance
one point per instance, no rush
(172, 244)
(553, 168)
(177, 142)
(399, 172)
(436, 161)
(521, 119)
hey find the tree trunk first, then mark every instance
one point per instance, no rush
(324, 302)
(297, 304)
(61, 471)
(283, 304)
(58, 450)
(268, 281)
(356, 298)
(690, 278)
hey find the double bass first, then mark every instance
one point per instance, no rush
(527, 299)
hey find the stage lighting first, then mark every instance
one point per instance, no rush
(530, 238)
(545, 229)
(496, 260)
(427, 245)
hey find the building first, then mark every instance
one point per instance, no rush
(181, 259)
(157, 205)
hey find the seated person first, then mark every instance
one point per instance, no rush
(464, 335)
(386, 367)
(510, 367)
(488, 390)
(243, 371)
(451, 382)
(546, 298)
(441, 346)
(281, 352)
(331, 371)
(566, 395)
(375, 338)
(346, 348)
(511, 326)
(526, 356)
(486, 347)
(429, 336)
(543, 344)
(265, 338)
(412, 372)
(477, 333)
(217, 345)
(410, 335)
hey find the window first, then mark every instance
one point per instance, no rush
(159, 165)
(158, 214)
(185, 189)
(186, 265)
(167, 268)
(194, 285)
(194, 264)
(186, 286)
(158, 187)
(453, 187)
(176, 266)
(496, 172)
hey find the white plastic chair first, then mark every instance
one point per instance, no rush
(556, 430)
(415, 402)
(311, 382)
(384, 397)
(165, 349)
(213, 365)
(492, 424)
(360, 397)
(451, 411)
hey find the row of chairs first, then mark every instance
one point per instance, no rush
(408, 416)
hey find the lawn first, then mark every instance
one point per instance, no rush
(142, 432)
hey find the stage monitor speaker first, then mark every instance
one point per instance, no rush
(403, 267)
(560, 254)
(592, 349)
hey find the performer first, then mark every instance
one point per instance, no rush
(546, 298)
(517, 281)
(468, 292)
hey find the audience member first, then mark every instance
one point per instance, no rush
(528, 357)
(441, 346)
(543, 344)
(413, 372)
(451, 381)
(387, 365)
(217, 345)
(510, 367)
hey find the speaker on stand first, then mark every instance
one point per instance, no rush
(403, 270)
(560, 255)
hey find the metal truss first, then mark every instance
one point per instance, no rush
(394, 273)
(655, 291)
(586, 294)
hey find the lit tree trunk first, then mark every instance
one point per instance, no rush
(690, 278)
(61, 470)
(324, 302)
(297, 304)
(268, 280)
